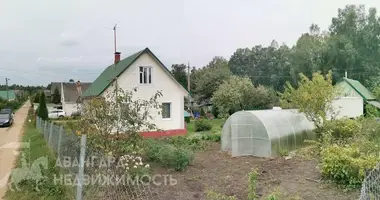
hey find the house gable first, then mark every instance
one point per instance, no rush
(354, 88)
(161, 79)
(114, 71)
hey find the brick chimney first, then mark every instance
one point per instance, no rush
(79, 88)
(117, 57)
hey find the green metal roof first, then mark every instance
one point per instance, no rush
(112, 72)
(108, 75)
(11, 93)
(359, 88)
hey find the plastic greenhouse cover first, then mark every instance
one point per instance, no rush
(264, 132)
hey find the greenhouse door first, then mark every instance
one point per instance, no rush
(246, 143)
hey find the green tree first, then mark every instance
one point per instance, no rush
(36, 97)
(179, 71)
(313, 97)
(238, 93)
(268, 66)
(210, 78)
(42, 110)
(56, 97)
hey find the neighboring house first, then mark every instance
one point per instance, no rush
(70, 96)
(146, 72)
(352, 99)
(55, 85)
(47, 94)
(10, 95)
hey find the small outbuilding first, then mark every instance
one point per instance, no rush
(265, 133)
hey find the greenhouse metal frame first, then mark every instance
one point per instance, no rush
(265, 133)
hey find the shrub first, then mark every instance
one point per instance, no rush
(346, 165)
(193, 142)
(342, 128)
(215, 137)
(202, 125)
(187, 119)
(168, 155)
(13, 104)
(214, 111)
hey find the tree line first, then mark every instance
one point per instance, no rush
(351, 44)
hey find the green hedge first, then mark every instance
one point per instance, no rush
(13, 104)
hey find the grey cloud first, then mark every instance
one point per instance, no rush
(52, 41)
(69, 43)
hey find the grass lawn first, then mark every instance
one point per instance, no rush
(216, 123)
(38, 148)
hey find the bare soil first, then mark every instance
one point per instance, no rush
(295, 178)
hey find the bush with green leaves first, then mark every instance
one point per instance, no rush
(202, 125)
(342, 128)
(215, 137)
(187, 119)
(346, 164)
(168, 155)
(193, 142)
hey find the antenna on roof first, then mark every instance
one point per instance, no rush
(114, 36)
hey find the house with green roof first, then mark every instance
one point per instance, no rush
(144, 71)
(352, 98)
(10, 94)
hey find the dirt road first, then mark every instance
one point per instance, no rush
(9, 138)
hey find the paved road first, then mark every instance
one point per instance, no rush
(9, 138)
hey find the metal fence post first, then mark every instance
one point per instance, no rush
(59, 140)
(81, 167)
(50, 133)
(45, 125)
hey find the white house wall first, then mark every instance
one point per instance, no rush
(70, 108)
(172, 92)
(350, 107)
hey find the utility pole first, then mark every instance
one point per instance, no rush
(188, 85)
(6, 85)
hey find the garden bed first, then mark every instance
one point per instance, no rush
(296, 178)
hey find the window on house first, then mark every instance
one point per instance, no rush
(166, 110)
(145, 75)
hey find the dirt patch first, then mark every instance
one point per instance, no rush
(214, 170)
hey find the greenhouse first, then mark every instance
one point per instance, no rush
(265, 133)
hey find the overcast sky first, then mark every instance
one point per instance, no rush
(56, 40)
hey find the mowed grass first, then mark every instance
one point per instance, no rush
(216, 126)
(48, 189)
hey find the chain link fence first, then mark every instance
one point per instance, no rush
(371, 185)
(80, 167)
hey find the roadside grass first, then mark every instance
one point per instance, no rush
(48, 189)
(216, 126)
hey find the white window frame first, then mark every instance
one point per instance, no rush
(149, 71)
(170, 110)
